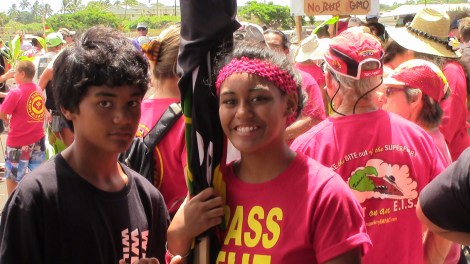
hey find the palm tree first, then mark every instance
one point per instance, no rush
(64, 5)
(36, 9)
(13, 12)
(48, 10)
(105, 2)
(74, 6)
(101, 4)
(157, 6)
(24, 4)
(128, 3)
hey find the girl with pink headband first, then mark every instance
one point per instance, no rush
(278, 206)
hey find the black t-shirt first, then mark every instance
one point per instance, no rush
(55, 216)
(3, 70)
(446, 200)
(50, 102)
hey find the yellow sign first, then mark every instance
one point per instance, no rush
(337, 7)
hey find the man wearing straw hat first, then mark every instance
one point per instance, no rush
(385, 159)
(314, 110)
(67, 35)
(309, 59)
(427, 38)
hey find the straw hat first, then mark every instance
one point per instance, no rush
(311, 48)
(65, 32)
(427, 33)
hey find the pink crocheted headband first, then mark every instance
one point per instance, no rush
(282, 79)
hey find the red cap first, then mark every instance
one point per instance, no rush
(350, 49)
(420, 74)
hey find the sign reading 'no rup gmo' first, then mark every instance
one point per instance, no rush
(336, 7)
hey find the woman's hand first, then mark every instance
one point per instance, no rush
(8, 75)
(196, 215)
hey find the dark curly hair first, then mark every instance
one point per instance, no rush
(102, 56)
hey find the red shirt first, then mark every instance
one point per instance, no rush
(171, 150)
(386, 161)
(25, 104)
(454, 120)
(305, 215)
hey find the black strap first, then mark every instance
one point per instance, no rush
(169, 117)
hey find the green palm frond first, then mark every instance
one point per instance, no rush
(14, 53)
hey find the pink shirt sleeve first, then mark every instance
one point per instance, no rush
(454, 121)
(10, 102)
(339, 222)
(314, 106)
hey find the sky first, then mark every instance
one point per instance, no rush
(55, 4)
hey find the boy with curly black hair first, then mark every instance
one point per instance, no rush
(83, 206)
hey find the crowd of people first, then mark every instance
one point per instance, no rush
(352, 148)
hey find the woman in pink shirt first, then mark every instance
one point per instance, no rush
(259, 95)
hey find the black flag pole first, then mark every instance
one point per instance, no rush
(207, 28)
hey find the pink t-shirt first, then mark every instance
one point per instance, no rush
(315, 71)
(438, 138)
(314, 106)
(454, 120)
(386, 160)
(25, 104)
(305, 215)
(441, 144)
(171, 149)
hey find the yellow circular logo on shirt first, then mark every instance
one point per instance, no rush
(35, 106)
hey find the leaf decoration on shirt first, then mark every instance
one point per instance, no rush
(361, 182)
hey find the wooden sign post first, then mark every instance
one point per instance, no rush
(298, 28)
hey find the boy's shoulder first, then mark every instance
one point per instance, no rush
(47, 180)
(141, 183)
(45, 173)
(39, 183)
(29, 85)
(25, 89)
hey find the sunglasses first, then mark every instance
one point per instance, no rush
(390, 90)
(141, 29)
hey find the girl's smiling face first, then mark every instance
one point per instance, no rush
(253, 112)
